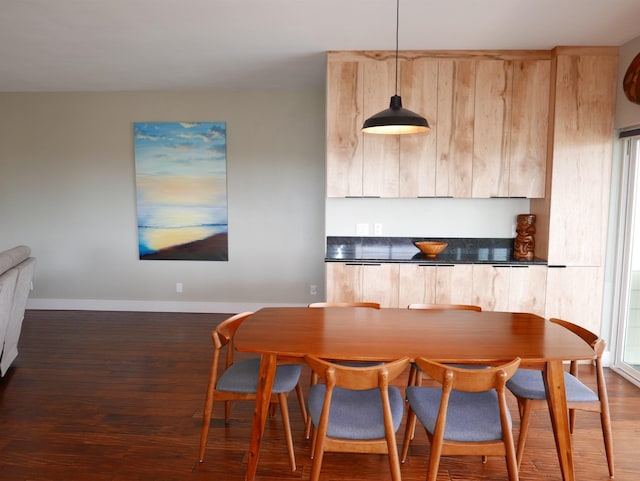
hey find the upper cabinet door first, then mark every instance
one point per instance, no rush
(454, 158)
(511, 127)
(529, 127)
(419, 91)
(344, 123)
(491, 128)
(381, 169)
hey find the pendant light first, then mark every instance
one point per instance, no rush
(395, 119)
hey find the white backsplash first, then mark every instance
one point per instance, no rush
(425, 217)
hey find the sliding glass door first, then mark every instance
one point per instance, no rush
(627, 351)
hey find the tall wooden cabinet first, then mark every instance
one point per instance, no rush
(572, 219)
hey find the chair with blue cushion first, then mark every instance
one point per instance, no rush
(314, 376)
(415, 377)
(355, 411)
(528, 387)
(467, 415)
(238, 381)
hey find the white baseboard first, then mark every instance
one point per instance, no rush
(149, 306)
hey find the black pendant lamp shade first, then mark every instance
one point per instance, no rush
(395, 119)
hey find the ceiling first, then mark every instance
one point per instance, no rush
(100, 45)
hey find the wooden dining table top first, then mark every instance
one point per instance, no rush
(387, 334)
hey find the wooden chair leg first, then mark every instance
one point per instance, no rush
(434, 461)
(412, 375)
(206, 419)
(308, 426)
(605, 420)
(392, 452)
(317, 456)
(572, 419)
(525, 416)
(301, 403)
(284, 410)
(408, 434)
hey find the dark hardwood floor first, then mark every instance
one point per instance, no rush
(117, 396)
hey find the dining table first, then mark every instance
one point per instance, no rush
(287, 334)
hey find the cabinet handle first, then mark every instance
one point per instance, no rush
(557, 267)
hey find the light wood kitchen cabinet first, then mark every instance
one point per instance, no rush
(510, 127)
(488, 113)
(510, 288)
(454, 157)
(381, 153)
(584, 105)
(575, 294)
(425, 283)
(344, 139)
(528, 289)
(572, 221)
(419, 91)
(491, 287)
(353, 282)
(529, 127)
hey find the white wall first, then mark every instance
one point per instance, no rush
(426, 217)
(67, 189)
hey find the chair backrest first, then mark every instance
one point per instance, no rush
(357, 378)
(469, 380)
(459, 307)
(223, 335)
(372, 305)
(596, 343)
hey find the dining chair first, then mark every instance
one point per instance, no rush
(467, 415)
(238, 381)
(372, 305)
(314, 376)
(356, 410)
(459, 307)
(415, 376)
(527, 386)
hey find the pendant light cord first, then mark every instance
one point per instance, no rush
(397, 30)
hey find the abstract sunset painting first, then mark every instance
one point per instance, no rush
(181, 190)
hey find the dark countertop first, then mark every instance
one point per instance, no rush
(401, 250)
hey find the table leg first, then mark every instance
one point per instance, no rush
(261, 411)
(553, 376)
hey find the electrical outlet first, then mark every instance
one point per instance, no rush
(313, 290)
(362, 229)
(377, 229)
(178, 287)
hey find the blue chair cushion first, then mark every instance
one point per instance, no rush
(242, 376)
(355, 414)
(528, 383)
(471, 416)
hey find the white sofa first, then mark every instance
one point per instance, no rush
(16, 272)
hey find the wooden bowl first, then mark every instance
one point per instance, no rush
(431, 248)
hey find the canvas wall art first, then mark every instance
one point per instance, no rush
(181, 190)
